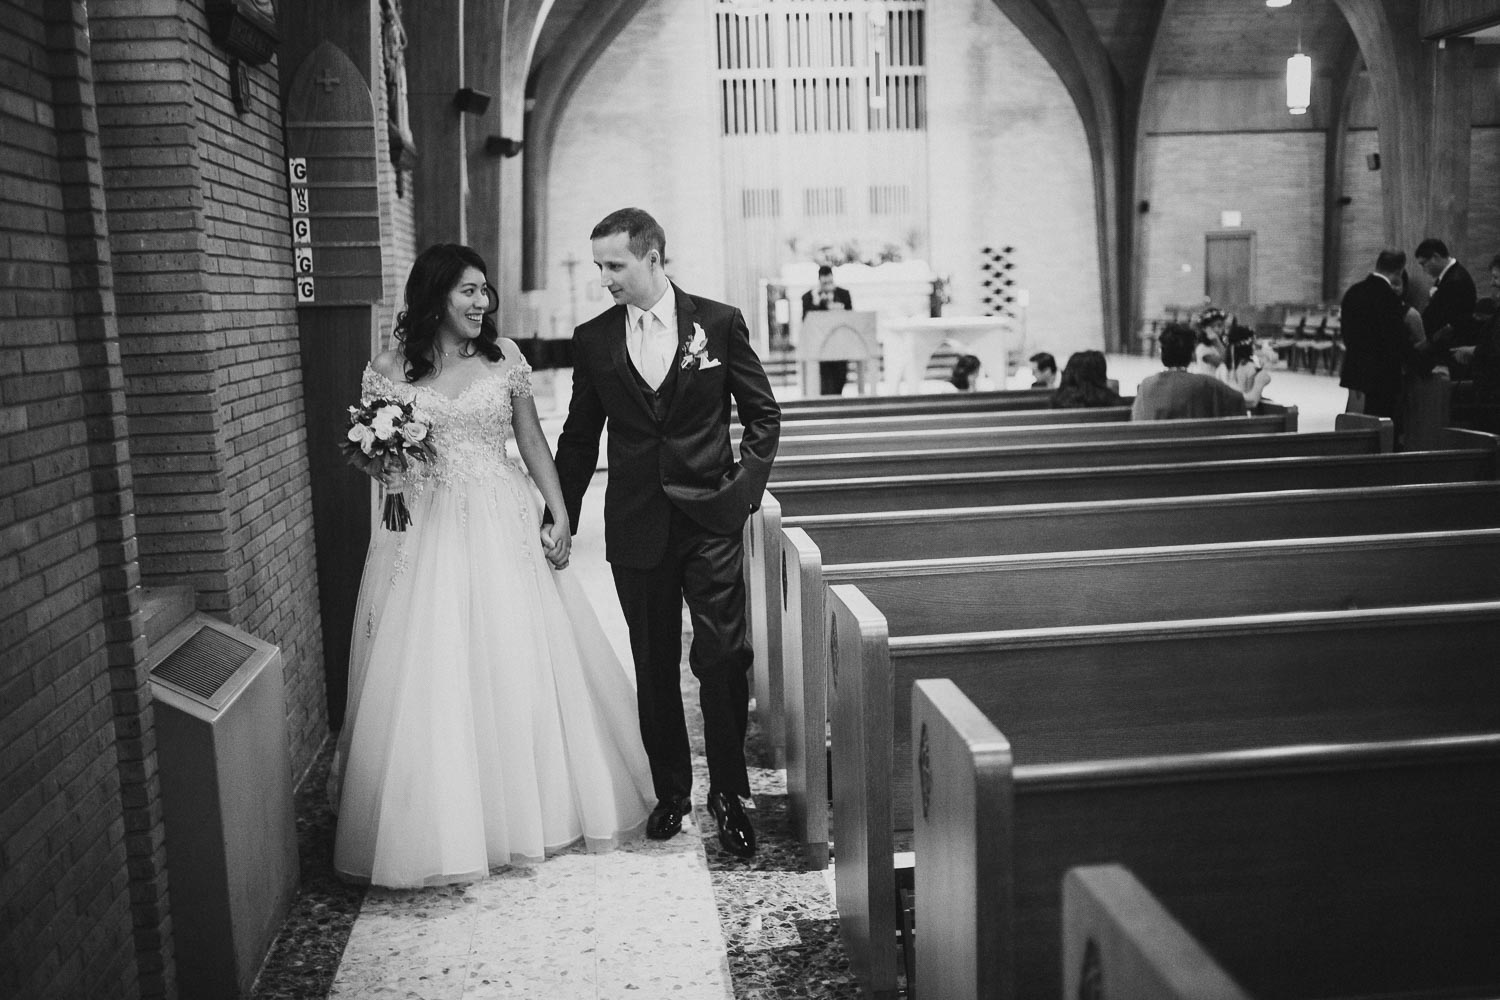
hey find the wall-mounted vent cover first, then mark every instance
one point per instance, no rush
(204, 663)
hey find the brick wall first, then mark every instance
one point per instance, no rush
(69, 652)
(271, 572)
(1363, 219)
(198, 215)
(1274, 179)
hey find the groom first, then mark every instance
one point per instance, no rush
(661, 367)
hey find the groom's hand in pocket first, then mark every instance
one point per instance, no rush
(558, 543)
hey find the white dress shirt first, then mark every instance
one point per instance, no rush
(652, 349)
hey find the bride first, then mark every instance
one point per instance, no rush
(489, 721)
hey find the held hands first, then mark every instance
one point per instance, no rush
(557, 541)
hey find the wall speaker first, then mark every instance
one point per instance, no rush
(1372, 161)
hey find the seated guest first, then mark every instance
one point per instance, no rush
(1085, 382)
(1177, 393)
(965, 375)
(1043, 370)
(1208, 355)
(1246, 370)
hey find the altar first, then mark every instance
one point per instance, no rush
(894, 299)
(909, 342)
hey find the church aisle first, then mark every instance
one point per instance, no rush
(679, 918)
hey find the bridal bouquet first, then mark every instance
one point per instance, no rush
(385, 436)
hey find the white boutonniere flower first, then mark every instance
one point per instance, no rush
(696, 354)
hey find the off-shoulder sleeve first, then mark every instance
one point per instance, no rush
(520, 379)
(374, 385)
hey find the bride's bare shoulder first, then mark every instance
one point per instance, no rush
(391, 364)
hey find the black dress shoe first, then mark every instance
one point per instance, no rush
(736, 835)
(666, 819)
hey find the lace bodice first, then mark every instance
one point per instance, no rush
(471, 431)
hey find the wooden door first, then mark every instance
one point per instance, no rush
(1226, 268)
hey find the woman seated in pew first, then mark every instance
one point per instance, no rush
(1179, 394)
(1245, 366)
(965, 377)
(1085, 382)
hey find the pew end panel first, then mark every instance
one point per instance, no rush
(805, 684)
(859, 696)
(958, 750)
(1119, 939)
(762, 567)
(1383, 426)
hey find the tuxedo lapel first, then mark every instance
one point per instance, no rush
(675, 375)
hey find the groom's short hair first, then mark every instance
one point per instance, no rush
(643, 231)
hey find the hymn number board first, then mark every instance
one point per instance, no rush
(332, 183)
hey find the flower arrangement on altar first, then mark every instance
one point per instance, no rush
(851, 251)
(386, 436)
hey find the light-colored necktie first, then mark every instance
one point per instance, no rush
(654, 358)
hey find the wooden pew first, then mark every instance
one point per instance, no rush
(1139, 446)
(813, 427)
(1118, 941)
(1147, 583)
(988, 435)
(1066, 696)
(762, 615)
(1471, 456)
(874, 406)
(1465, 463)
(1347, 867)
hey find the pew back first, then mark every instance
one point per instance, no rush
(843, 439)
(797, 428)
(1147, 449)
(1360, 868)
(879, 406)
(973, 489)
(1054, 527)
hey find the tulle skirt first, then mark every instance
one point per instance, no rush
(489, 721)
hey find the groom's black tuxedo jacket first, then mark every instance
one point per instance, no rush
(670, 448)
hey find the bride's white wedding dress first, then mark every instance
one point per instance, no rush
(489, 720)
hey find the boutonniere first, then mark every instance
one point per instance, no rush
(696, 354)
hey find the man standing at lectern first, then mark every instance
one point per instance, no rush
(832, 375)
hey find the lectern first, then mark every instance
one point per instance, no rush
(838, 335)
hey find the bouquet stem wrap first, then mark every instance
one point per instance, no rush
(396, 516)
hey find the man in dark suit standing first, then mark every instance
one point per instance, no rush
(1375, 338)
(662, 367)
(1453, 295)
(832, 375)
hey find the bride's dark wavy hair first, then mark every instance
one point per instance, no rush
(434, 274)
